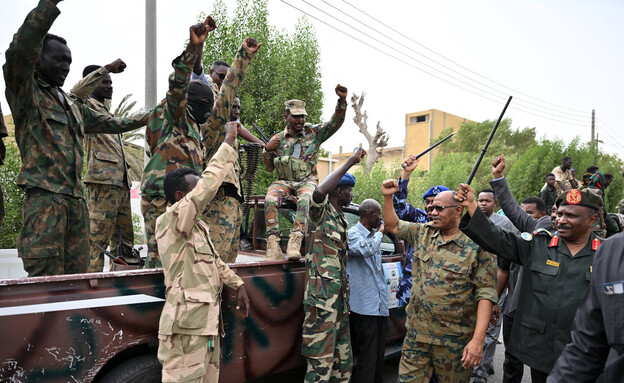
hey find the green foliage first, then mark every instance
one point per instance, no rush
(137, 220)
(368, 185)
(13, 196)
(285, 67)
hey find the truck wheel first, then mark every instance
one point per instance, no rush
(142, 369)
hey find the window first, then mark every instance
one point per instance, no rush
(417, 119)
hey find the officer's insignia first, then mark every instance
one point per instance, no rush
(554, 241)
(526, 236)
(573, 197)
(552, 263)
(595, 244)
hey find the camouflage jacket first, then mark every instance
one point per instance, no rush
(326, 258)
(172, 135)
(48, 132)
(213, 130)
(193, 272)
(106, 158)
(310, 138)
(449, 278)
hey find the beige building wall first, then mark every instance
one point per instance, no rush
(423, 127)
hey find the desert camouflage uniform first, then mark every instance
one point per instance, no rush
(223, 215)
(449, 278)
(49, 134)
(310, 138)
(3, 133)
(326, 338)
(108, 184)
(189, 323)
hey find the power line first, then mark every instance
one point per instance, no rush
(459, 65)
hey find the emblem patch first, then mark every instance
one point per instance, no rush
(573, 197)
(526, 236)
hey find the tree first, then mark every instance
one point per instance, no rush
(286, 67)
(376, 142)
(13, 194)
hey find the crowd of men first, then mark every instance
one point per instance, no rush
(465, 263)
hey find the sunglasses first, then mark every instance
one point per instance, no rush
(439, 208)
(221, 75)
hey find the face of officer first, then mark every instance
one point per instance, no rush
(574, 222)
(104, 90)
(53, 63)
(295, 122)
(345, 195)
(446, 212)
(486, 203)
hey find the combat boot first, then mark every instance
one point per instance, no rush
(294, 245)
(273, 252)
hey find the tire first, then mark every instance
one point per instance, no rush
(142, 369)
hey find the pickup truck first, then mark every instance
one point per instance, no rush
(102, 327)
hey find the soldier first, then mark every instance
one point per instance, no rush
(108, 184)
(49, 129)
(293, 153)
(452, 297)
(557, 271)
(3, 133)
(326, 338)
(188, 333)
(597, 334)
(224, 213)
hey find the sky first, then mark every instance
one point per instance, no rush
(558, 59)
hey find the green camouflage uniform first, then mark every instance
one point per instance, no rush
(449, 279)
(108, 185)
(223, 214)
(174, 138)
(3, 133)
(49, 133)
(326, 338)
(310, 138)
(193, 276)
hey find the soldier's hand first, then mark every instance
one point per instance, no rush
(210, 24)
(251, 44)
(410, 163)
(242, 301)
(273, 144)
(358, 154)
(116, 66)
(231, 132)
(341, 91)
(464, 195)
(498, 166)
(389, 187)
(472, 354)
(198, 34)
(495, 315)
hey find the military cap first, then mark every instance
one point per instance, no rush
(296, 107)
(347, 180)
(434, 191)
(577, 197)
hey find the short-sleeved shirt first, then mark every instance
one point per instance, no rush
(449, 278)
(563, 176)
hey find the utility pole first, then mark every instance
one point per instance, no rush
(150, 54)
(593, 128)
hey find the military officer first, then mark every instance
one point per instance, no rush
(326, 338)
(188, 332)
(49, 130)
(293, 153)
(108, 184)
(454, 289)
(557, 272)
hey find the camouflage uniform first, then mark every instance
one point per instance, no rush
(3, 133)
(108, 184)
(310, 138)
(175, 141)
(189, 323)
(449, 278)
(49, 133)
(224, 214)
(326, 338)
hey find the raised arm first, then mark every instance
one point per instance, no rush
(337, 119)
(391, 220)
(87, 85)
(330, 182)
(404, 210)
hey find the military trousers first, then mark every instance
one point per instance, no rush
(189, 358)
(54, 238)
(278, 190)
(419, 361)
(223, 216)
(326, 344)
(152, 208)
(109, 213)
(513, 368)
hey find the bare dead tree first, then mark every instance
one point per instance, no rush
(376, 142)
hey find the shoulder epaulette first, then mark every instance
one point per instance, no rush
(554, 241)
(543, 232)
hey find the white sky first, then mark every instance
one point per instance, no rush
(565, 53)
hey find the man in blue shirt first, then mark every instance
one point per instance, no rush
(368, 301)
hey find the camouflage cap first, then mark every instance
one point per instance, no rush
(296, 107)
(583, 197)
